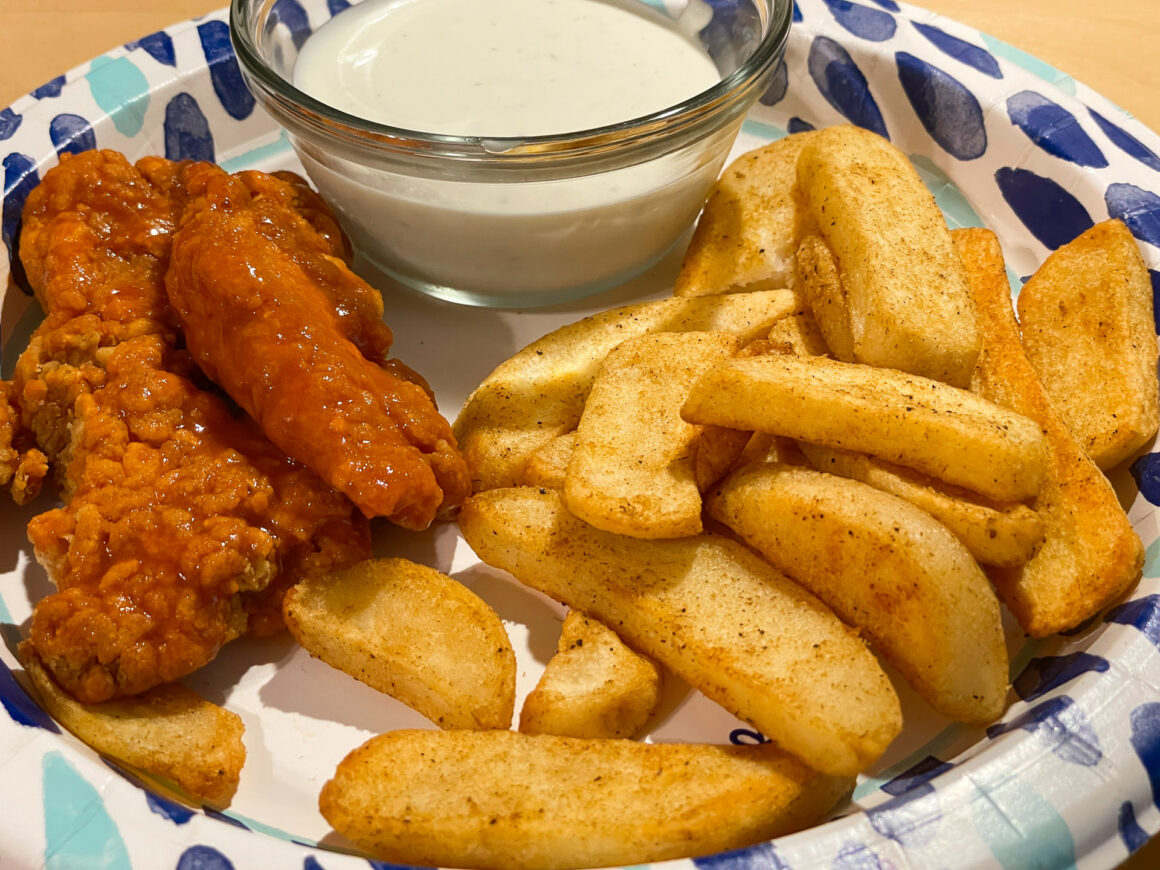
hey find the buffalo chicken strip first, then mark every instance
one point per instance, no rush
(295, 337)
(182, 525)
(22, 467)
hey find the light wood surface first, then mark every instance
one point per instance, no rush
(1109, 45)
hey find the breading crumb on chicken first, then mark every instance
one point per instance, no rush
(22, 467)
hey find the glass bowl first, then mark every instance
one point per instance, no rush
(517, 221)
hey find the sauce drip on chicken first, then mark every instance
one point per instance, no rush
(273, 315)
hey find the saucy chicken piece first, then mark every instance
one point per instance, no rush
(95, 240)
(183, 525)
(272, 314)
(22, 467)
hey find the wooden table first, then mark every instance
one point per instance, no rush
(1107, 45)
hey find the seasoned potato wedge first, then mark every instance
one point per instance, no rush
(764, 447)
(632, 469)
(540, 392)
(502, 800)
(948, 433)
(887, 568)
(548, 465)
(749, 228)
(711, 610)
(907, 300)
(1087, 326)
(1090, 554)
(820, 283)
(798, 333)
(594, 686)
(169, 732)
(996, 533)
(413, 633)
(715, 451)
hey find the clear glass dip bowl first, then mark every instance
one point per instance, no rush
(512, 222)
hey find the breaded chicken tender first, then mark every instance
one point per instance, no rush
(182, 524)
(296, 339)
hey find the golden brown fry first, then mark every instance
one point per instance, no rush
(996, 533)
(715, 451)
(501, 800)
(887, 568)
(1090, 554)
(631, 470)
(548, 465)
(1088, 329)
(765, 447)
(539, 393)
(908, 304)
(711, 610)
(820, 283)
(594, 686)
(413, 633)
(168, 731)
(946, 432)
(798, 333)
(748, 231)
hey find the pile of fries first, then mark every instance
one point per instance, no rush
(835, 445)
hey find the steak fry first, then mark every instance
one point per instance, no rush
(183, 525)
(281, 324)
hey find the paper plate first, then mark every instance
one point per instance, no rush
(1069, 777)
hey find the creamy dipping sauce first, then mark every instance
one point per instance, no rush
(511, 68)
(501, 67)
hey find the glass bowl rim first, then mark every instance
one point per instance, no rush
(670, 121)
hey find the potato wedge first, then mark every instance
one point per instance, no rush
(169, 732)
(632, 469)
(907, 299)
(1088, 328)
(798, 333)
(501, 800)
(539, 393)
(995, 533)
(716, 450)
(594, 686)
(948, 433)
(1090, 554)
(748, 230)
(548, 465)
(820, 283)
(764, 447)
(885, 567)
(711, 610)
(413, 633)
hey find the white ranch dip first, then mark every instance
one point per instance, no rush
(510, 68)
(501, 67)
